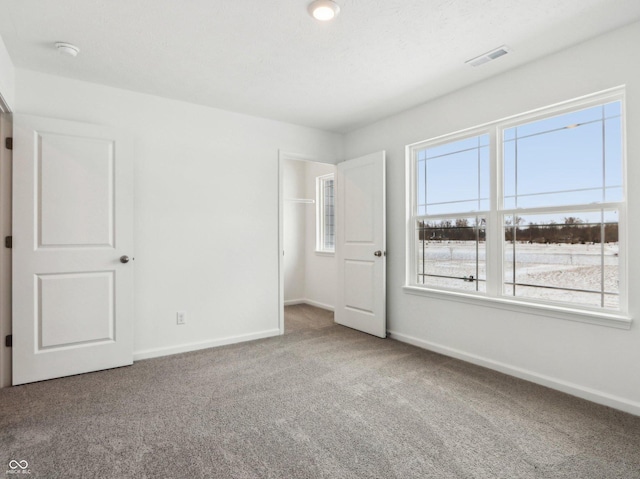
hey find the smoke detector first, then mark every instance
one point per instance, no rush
(67, 49)
(489, 56)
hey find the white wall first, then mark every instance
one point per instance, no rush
(206, 207)
(7, 77)
(592, 361)
(320, 276)
(294, 229)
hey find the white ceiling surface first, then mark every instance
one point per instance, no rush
(269, 58)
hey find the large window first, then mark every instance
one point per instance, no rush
(528, 209)
(325, 214)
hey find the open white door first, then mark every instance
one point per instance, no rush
(72, 246)
(361, 244)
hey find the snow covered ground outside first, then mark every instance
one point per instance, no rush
(573, 266)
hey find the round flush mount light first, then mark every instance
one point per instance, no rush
(67, 49)
(324, 10)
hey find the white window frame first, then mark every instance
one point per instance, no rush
(494, 296)
(413, 208)
(321, 249)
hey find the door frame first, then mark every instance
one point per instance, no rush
(283, 156)
(6, 127)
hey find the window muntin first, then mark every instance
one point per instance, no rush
(559, 171)
(325, 220)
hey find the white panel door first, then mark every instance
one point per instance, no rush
(361, 243)
(72, 236)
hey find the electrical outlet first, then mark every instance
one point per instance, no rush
(181, 317)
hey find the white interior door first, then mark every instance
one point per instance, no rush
(72, 234)
(361, 244)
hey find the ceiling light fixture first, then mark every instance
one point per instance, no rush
(67, 49)
(324, 10)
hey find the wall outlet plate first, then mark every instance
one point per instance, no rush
(181, 317)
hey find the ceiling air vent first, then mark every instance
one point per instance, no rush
(487, 57)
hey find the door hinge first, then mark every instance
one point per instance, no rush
(8, 340)
(8, 143)
(8, 241)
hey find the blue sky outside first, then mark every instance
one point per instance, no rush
(559, 162)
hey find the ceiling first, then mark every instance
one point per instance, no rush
(269, 58)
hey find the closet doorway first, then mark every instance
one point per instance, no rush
(307, 233)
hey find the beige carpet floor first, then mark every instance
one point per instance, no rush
(322, 401)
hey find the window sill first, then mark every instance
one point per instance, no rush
(325, 253)
(618, 321)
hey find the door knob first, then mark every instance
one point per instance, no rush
(378, 253)
(124, 259)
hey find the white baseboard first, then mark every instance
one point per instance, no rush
(310, 302)
(589, 394)
(291, 302)
(317, 304)
(185, 348)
